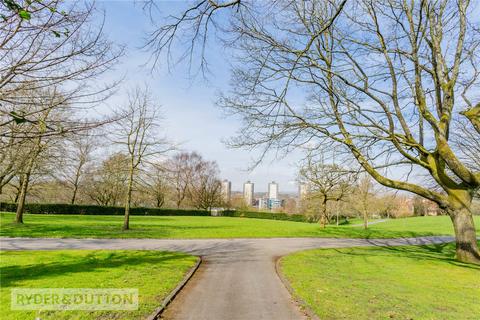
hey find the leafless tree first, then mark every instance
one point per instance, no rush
(194, 180)
(137, 132)
(75, 162)
(155, 182)
(38, 144)
(106, 183)
(385, 80)
(181, 170)
(205, 188)
(12, 157)
(328, 182)
(58, 46)
(363, 198)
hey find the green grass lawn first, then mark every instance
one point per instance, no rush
(153, 273)
(211, 227)
(385, 283)
(62, 226)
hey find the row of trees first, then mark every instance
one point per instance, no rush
(333, 190)
(53, 57)
(77, 174)
(52, 60)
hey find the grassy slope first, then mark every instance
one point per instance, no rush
(385, 283)
(211, 227)
(154, 273)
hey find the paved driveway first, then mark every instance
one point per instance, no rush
(236, 281)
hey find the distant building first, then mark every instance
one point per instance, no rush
(226, 191)
(248, 190)
(270, 204)
(273, 190)
(275, 204)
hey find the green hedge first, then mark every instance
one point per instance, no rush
(61, 208)
(79, 209)
(270, 215)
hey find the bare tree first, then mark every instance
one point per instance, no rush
(156, 183)
(12, 157)
(181, 171)
(57, 45)
(75, 162)
(205, 188)
(51, 110)
(328, 183)
(194, 181)
(385, 80)
(138, 132)
(105, 184)
(363, 199)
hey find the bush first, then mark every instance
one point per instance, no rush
(269, 215)
(80, 209)
(61, 208)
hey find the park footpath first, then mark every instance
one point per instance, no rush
(237, 279)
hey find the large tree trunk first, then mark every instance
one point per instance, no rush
(465, 236)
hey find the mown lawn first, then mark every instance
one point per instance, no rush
(153, 273)
(63, 226)
(412, 282)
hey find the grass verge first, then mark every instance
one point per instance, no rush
(153, 273)
(414, 282)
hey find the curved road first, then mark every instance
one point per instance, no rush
(237, 279)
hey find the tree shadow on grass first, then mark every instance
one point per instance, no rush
(87, 263)
(360, 233)
(97, 231)
(439, 252)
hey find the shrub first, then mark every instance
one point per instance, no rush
(269, 215)
(80, 209)
(61, 208)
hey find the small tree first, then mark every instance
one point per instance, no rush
(328, 182)
(205, 188)
(76, 159)
(137, 133)
(155, 183)
(105, 183)
(181, 169)
(363, 198)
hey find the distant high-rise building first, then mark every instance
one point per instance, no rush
(226, 191)
(248, 190)
(273, 190)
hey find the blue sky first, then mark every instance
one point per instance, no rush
(192, 118)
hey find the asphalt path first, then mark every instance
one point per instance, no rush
(237, 279)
